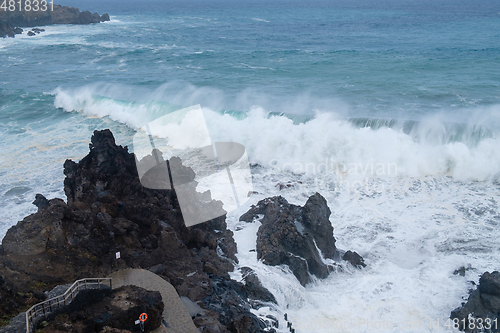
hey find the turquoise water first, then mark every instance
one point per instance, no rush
(379, 57)
(309, 88)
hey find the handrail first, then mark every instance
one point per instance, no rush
(41, 310)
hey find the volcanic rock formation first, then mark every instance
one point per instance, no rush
(109, 211)
(297, 236)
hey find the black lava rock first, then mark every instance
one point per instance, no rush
(482, 307)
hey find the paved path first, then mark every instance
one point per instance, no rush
(175, 313)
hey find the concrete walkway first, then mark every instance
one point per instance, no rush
(175, 314)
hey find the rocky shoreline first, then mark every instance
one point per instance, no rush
(11, 22)
(109, 211)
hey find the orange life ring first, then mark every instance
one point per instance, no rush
(143, 317)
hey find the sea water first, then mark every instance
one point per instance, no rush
(389, 109)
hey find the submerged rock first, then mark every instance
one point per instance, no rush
(482, 309)
(296, 236)
(355, 259)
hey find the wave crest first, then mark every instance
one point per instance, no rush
(325, 142)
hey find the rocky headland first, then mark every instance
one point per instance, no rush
(11, 21)
(109, 211)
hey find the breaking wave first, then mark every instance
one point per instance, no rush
(312, 140)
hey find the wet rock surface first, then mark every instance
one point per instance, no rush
(481, 312)
(109, 211)
(238, 319)
(297, 236)
(355, 259)
(8, 30)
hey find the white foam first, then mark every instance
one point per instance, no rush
(413, 234)
(112, 19)
(325, 144)
(260, 20)
(413, 229)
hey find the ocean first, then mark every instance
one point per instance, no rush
(388, 108)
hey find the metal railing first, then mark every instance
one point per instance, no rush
(45, 308)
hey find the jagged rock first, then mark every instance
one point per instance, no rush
(490, 283)
(209, 323)
(316, 219)
(31, 235)
(283, 239)
(41, 202)
(483, 303)
(254, 287)
(8, 30)
(109, 211)
(294, 236)
(355, 259)
(230, 298)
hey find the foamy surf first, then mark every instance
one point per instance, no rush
(413, 233)
(404, 194)
(325, 143)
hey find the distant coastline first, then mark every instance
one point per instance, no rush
(23, 15)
